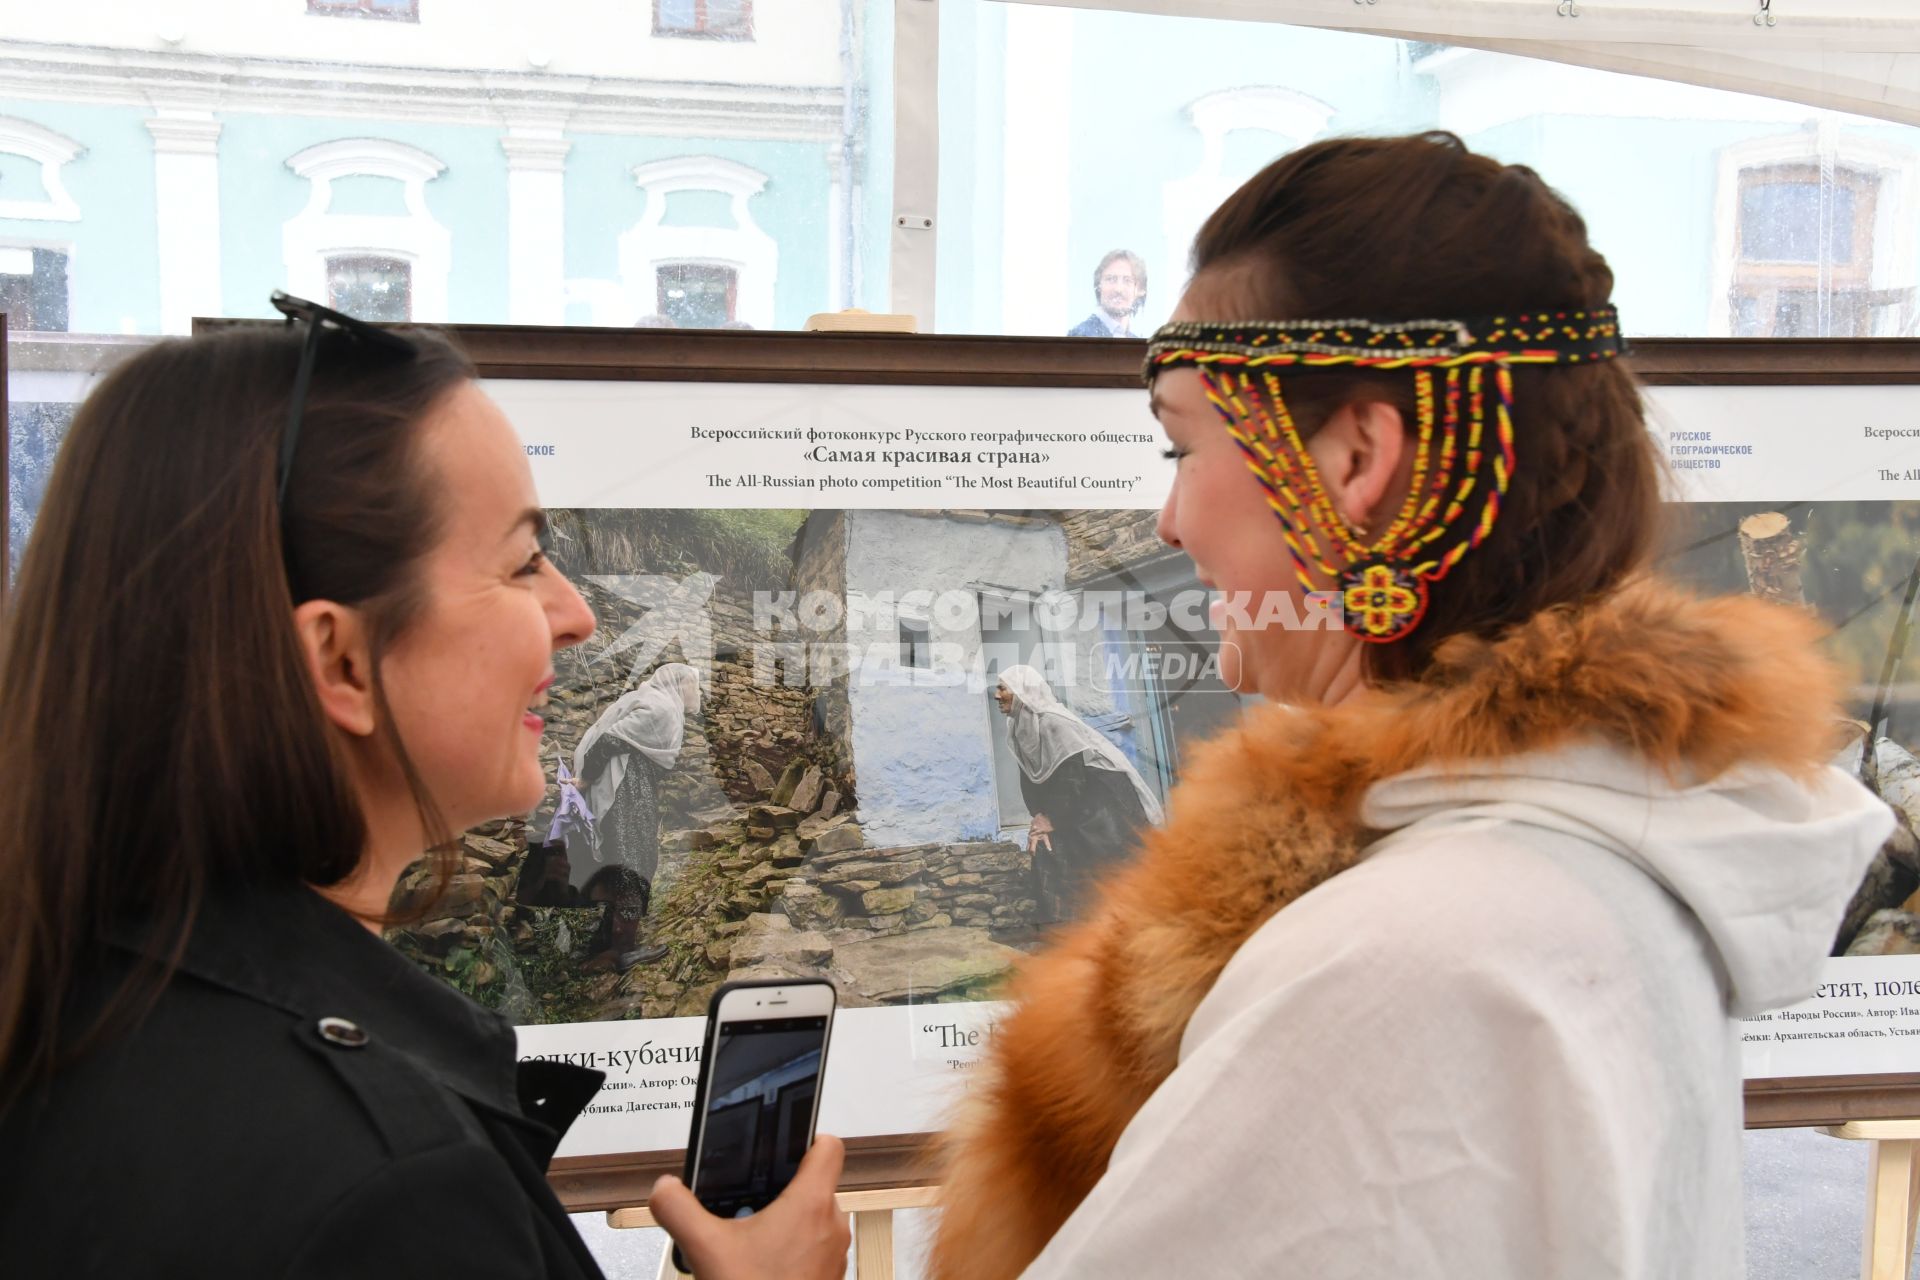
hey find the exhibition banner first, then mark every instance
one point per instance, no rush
(884, 679)
(851, 567)
(887, 675)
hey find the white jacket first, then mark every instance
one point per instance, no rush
(1526, 997)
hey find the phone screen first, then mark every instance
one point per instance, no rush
(761, 1084)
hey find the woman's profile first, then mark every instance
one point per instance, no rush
(287, 623)
(1086, 799)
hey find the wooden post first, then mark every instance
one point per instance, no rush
(1773, 555)
(873, 1244)
(1893, 1194)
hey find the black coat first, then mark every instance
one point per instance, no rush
(1097, 818)
(227, 1134)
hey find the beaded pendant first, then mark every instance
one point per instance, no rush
(1463, 457)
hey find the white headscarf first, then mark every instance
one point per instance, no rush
(1044, 733)
(651, 720)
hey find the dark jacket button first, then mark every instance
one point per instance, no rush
(342, 1034)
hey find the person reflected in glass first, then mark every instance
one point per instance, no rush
(623, 761)
(1119, 291)
(616, 939)
(546, 877)
(1087, 800)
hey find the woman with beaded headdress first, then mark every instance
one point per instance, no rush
(1437, 967)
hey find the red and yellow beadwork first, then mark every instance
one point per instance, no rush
(1463, 460)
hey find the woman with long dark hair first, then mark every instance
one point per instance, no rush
(284, 625)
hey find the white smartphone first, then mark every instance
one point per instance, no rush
(759, 1093)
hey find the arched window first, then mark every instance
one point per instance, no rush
(708, 274)
(49, 152)
(1290, 118)
(1809, 242)
(388, 260)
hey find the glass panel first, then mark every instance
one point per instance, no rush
(371, 288)
(48, 374)
(1781, 221)
(1066, 133)
(676, 15)
(729, 17)
(33, 289)
(552, 200)
(697, 297)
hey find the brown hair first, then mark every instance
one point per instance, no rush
(1420, 227)
(164, 740)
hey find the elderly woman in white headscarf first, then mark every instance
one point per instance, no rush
(622, 760)
(1086, 798)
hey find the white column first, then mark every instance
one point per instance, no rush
(835, 298)
(1035, 273)
(186, 171)
(916, 158)
(536, 224)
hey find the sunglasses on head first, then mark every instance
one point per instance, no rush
(319, 320)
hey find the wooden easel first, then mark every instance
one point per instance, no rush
(872, 1227)
(1893, 1193)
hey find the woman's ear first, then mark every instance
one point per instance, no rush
(333, 638)
(1359, 454)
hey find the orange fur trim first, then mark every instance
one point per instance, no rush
(1693, 686)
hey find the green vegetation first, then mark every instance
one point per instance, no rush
(750, 544)
(1855, 566)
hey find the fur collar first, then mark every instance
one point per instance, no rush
(1269, 810)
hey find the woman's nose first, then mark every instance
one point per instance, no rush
(1165, 527)
(573, 619)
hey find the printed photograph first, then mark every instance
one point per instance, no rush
(890, 748)
(1855, 566)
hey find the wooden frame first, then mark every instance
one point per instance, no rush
(655, 355)
(6, 467)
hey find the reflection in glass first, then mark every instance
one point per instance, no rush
(1066, 132)
(697, 295)
(371, 287)
(541, 172)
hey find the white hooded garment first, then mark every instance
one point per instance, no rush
(1046, 734)
(651, 720)
(1501, 1047)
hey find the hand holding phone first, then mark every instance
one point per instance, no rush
(759, 1092)
(802, 1235)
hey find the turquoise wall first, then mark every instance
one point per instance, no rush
(113, 268)
(1133, 78)
(1646, 186)
(969, 223)
(604, 201)
(258, 193)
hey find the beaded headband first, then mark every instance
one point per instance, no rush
(1459, 477)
